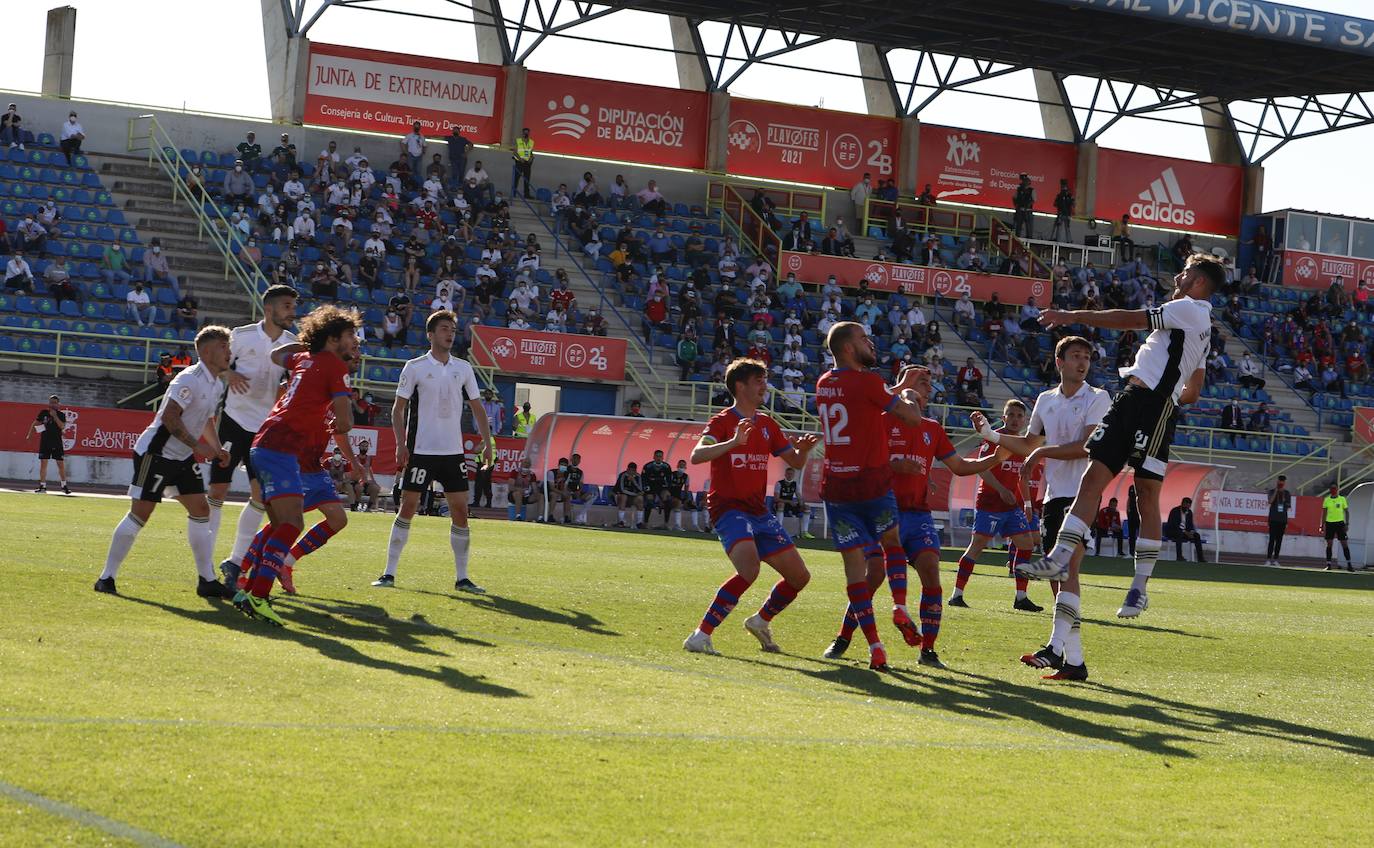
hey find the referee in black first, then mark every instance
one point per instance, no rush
(1280, 508)
(49, 424)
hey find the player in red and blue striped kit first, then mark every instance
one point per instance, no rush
(319, 365)
(857, 484)
(739, 442)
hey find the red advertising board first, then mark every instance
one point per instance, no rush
(1249, 512)
(1306, 270)
(965, 166)
(549, 354)
(1177, 194)
(1364, 425)
(386, 92)
(617, 120)
(913, 279)
(805, 145)
(90, 431)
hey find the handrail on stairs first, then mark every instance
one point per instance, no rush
(162, 150)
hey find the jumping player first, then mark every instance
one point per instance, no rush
(429, 443)
(913, 449)
(999, 510)
(165, 459)
(319, 364)
(1139, 427)
(739, 442)
(857, 483)
(254, 383)
(1065, 417)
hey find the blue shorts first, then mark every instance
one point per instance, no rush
(765, 531)
(319, 490)
(1006, 524)
(860, 524)
(918, 533)
(279, 474)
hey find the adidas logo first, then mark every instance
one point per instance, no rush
(1163, 203)
(603, 430)
(572, 121)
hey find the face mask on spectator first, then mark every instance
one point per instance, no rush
(157, 250)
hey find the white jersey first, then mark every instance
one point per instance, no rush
(1062, 419)
(1181, 334)
(436, 392)
(250, 354)
(197, 393)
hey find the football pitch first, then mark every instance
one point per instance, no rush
(560, 709)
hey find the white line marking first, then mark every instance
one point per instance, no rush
(86, 817)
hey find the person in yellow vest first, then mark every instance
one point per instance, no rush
(1334, 509)
(524, 162)
(524, 422)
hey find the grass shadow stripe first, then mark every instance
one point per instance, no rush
(86, 817)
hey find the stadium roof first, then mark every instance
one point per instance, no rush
(1073, 38)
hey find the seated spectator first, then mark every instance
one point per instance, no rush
(443, 297)
(186, 315)
(1259, 419)
(789, 290)
(970, 380)
(588, 194)
(651, 200)
(12, 128)
(392, 329)
(655, 317)
(1232, 417)
(661, 248)
(965, 314)
(323, 284)
(1251, 370)
(70, 138)
(593, 324)
(59, 280)
(156, 268)
(1030, 316)
(688, 350)
(556, 321)
(140, 305)
(31, 236)
(1216, 366)
(238, 184)
(114, 264)
(1331, 379)
(1108, 525)
(477, 178)
(1180, 529)
(1356, 367)
(525, 296)
(528, 263)
(403, 306)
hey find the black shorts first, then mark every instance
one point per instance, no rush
(1051, 519)
(423, 469)
(657, 496)
(791, 509)
(622, 494)
(1335, 530)
(154, 475)
(51, 452)
(1137, 431)
(237, 441)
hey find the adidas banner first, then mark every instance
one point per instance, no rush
(548, 354)
(965, 166)
(373, 90)
(1175, 194)
(805, 145)
(616, 120)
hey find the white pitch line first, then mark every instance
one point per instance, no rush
(86, 817)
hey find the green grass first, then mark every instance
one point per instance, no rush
(562, 710)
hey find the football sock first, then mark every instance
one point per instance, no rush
(459, 540)
(1066, 605)
(726, 597)
(124, 534)
(931, 610)
(202, 545)
(861, 602)
(678, 519)
(254, 553)
(1065, 615)
(965, 572)
(621, 514)
(806, 520)
(249, 519)
(1146, 552)
(278, 545)
(896, 574)
(400, 534)
(1019, 557)
(778, 599)
(216, 515)
(1070, 537)
(312, 541)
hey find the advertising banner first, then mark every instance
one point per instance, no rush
(377, 91)
(805, 145)
(965, 166)
(617, 120)
(1177, 194)
(1249, 512)
(913, 279)
(1306, 270)
(90, 431)
(1364, 425)
(549, 354)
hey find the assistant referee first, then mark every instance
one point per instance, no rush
(1334, 510)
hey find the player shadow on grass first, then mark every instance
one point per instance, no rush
(335, 617)
(586, 622)
(1058, 708)
(223, 615)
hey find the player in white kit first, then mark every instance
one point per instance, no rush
(166, 460)
(253, 389)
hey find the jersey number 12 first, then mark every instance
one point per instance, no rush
(834, 420)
